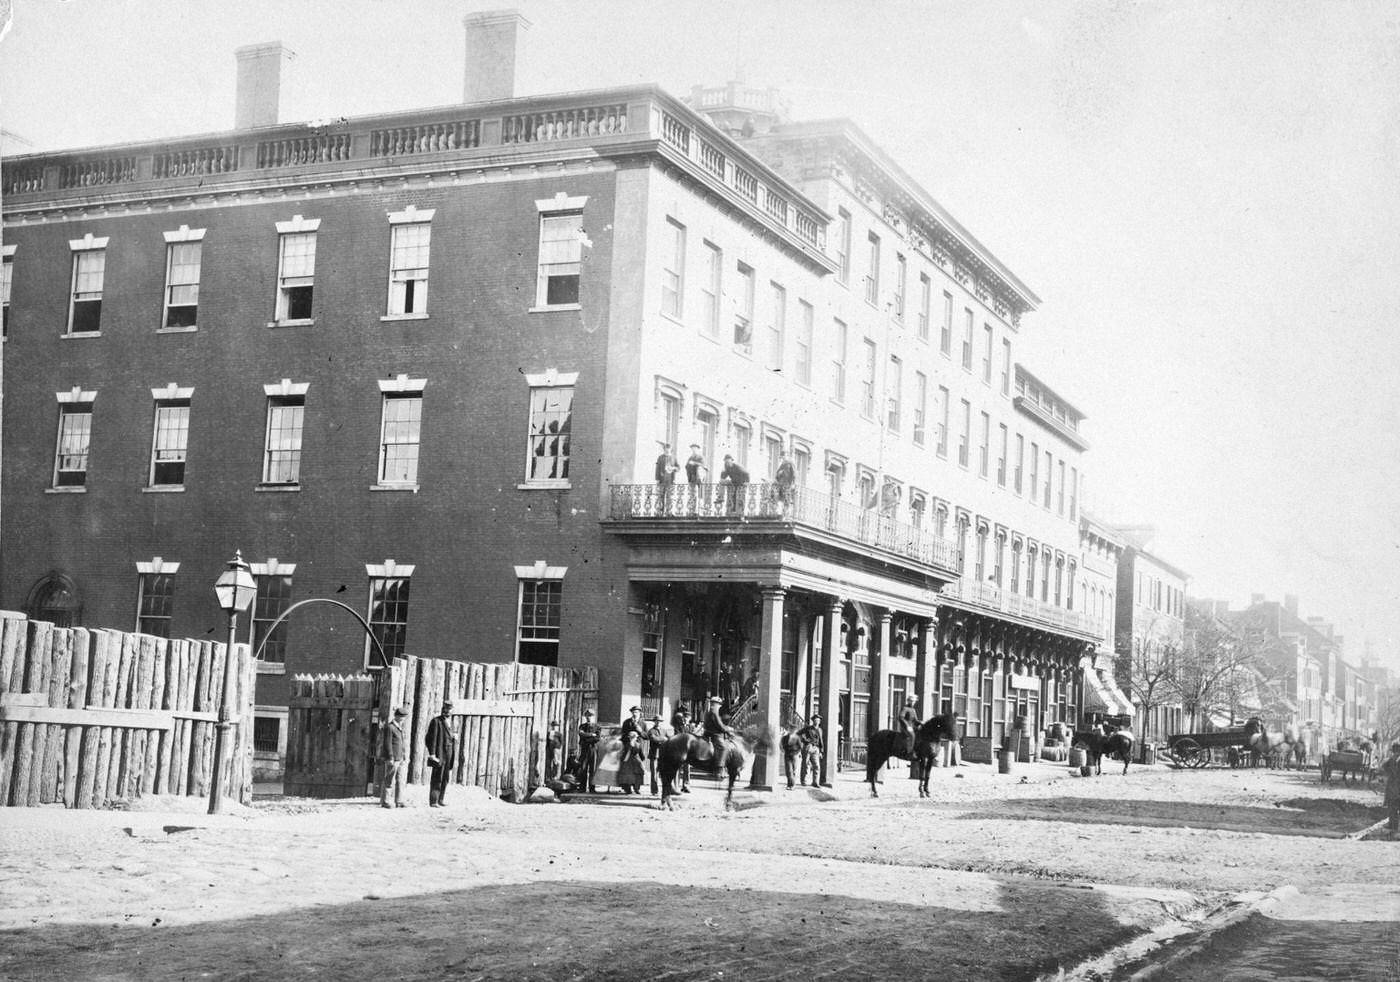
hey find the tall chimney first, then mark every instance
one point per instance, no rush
(259, 84)
(493, 38)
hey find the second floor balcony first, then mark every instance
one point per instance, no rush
(993, 599)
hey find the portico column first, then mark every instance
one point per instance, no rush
(880, 675)
(831, 690)
(769, 708)
(924, 666)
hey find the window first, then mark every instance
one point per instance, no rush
(801, 462)
(409, 246)
(895, 387)
(867, 382)
(1015, 580)
(273, 597)
(673, 269)
(400, 429)
(1030, 572)
(1073, 493)
(967, 341)
(1006, 366)
(1045, 561)
(777, 327)
(296, 268)
(943, 401)
(388, 610)
(74, 438)
(1001, 456)
(671, 422)
(743, 317)
(286, 409)
(925, 304)
(712, 289)
(901, 283)
(838, 361)
(979, 568)
(917, 505)
(1048, 477)
(805, 326)
(707, 421)
(843, 245)
(945, 332)
(551, 428)
(561, 258)
(89, 271)
(740, 439)
(1060, 497)
(773, 451)
(184, 251)
(1020, 460)
(920, 407)
(984, 446)
(1035, 472)
(155, 597)
(170, 440)
(537, 633)
(965, 439)
(872, 276)
(7, 272)
(989, 340)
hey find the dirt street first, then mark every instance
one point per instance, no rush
(1020, 876)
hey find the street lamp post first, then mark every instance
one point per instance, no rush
(234, 590)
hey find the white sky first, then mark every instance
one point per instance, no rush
(1204, 194)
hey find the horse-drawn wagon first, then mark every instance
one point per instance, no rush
(1352, 763)
(1224, 746)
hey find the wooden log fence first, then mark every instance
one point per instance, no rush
(90, 718)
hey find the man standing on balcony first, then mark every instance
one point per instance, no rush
(784, 478)
(666, 468)
(695, 465)
(736, 479)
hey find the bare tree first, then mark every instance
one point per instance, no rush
(1146, 671)
(1226, 670)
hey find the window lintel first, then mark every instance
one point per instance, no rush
(158, 566)
(540, 571)
(77, 394)
(172, 393)
(185, 234)
(402, 383)
(412, 216)
(298, 224)
(561, 202)
(550, 377)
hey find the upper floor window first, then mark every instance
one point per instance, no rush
(550, 429)
(843, 245)
(838, 360)
(410, 245)
(286, 410)
(400, 430)
(988, 341)
(273, 596)
(712, 289)
(89, 272)
(895, 385)
(925, 305)
(920, 407)
(777, 328)
(805, 327)
(673, 269)
(743, 316)
(872, 276)
(967, 340)
(7, 272)
(296, 268)
(388, 610)
(1006, 366)
(965, 438)
(945, 331)
(943, 399)
(1073, 493)
(1060, 496)
(155, 598)
(1034, 486)
(561, 250)
(984, 446)
(867, 382)
(74, 438)
(170, 442)
(538, 622)
(901, 283)
(184, 252)
(1020, 462)
(1047, 479)
(1001, 456)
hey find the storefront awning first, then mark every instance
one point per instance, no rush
(1100, 694)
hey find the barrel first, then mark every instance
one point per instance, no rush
(1003, 761)
(1077, 758)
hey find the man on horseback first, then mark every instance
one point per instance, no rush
(909, 723)
(715, 729)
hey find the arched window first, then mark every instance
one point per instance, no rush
(54, 598)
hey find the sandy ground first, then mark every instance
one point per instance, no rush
(994, 877)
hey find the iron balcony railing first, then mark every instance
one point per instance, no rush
(762, 502)
(989, 596)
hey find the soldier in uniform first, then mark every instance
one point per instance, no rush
(588, 734)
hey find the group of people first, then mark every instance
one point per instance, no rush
(734, 476)
(441, 743)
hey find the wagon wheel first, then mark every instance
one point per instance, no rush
(1188, 753)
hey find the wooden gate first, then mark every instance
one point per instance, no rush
(330, 728)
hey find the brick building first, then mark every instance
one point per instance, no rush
(425, 363)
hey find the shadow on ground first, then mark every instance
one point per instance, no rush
(548, 931)
(1319, 817)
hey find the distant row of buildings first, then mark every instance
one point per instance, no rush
(435, 364)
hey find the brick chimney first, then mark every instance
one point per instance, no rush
(493, 41)
(259, 84)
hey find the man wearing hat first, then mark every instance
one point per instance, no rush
(632, 733)
(1391, 770)
(395, 759)
(588, 734)
(657, 734)
(811, 736)
(441, 742)
(695, 465)
(715, 729)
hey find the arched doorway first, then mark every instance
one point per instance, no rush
(54, 598)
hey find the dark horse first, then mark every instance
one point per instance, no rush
(687, 748)
(1105, 739)
(885, 744)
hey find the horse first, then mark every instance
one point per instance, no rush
(884, 744)
(688, 749)
(1104, 739)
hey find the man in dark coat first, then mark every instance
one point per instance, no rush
(395, 759)
(695, 465)
(909, 722)
(716, 730)
(588, 734)
(784, 480)
(736, 479)
(680, 723)
(441, 742)
(632, 733)
(666, 467)
(811, 736)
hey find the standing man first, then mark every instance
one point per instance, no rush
(680, 723)
(695, 465)
(811, 735)
(736, 478)
(442, 754)
(785, 478)
(1391, 769)
(395, 759)
(553, 750)
(588, 734)
(656, 736)
(666, 467)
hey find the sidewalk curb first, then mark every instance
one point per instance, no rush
(1160, 941)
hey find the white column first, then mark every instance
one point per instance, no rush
(770, 667)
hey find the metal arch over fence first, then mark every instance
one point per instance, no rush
(369, 631)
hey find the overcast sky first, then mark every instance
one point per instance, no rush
(1205, 195)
